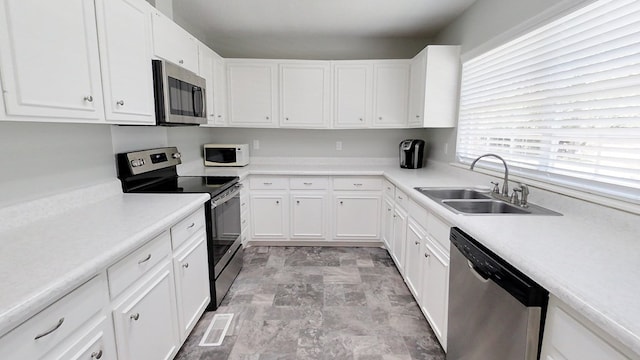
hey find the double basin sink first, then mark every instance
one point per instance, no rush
(473, 202)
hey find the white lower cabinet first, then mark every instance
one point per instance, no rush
(146, 321)
(309, 215)
(413, 258)
(387, 223)
(434, 298)
(399, 237)
(356, 215)
(191, 269)
(568, 336)
(269, 215)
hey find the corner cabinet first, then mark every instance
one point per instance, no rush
(124, 29)
(251, 90)
(49, 61)
(435, 82)
(305, 92)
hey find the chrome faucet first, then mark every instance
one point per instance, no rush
(505, 186)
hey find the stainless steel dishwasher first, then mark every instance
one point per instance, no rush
(495, 311)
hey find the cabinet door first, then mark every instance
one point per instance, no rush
(95, 343)
(442, 84)
(219, 91)
(391, 94)
(251, 90)
(417, 88)
(308, 216)
(399, 238)
(147, 323)
(205, 67)
(413, 260)
(191, 269)
(387, 224)
(352, 95)
(49, 60)
(356, 216)
(269, 215)
(125, 48)
(173, 43)
(304, 95)
(435, 288)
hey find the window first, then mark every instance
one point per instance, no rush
(562, 103)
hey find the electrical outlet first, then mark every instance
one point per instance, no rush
(339, 145)
(256, 144)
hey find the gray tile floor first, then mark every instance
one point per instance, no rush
(318, 303)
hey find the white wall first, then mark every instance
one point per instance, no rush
(486, 24)
(40, 159)
(318, 143)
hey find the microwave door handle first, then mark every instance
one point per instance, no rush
(198, 101)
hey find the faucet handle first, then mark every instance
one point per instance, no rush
(525, 194)
(514, 197)
(496, 187)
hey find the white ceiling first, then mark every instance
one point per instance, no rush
(317, 29)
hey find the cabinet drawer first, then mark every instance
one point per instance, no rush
(309, 183)
(183, 230)
(132, 267)
(439, 230)
(401, 198)
(38, 335)
(268, 183)
(357, 183)
(388, 189)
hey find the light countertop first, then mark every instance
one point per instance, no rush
(589, 257)
(43, 260)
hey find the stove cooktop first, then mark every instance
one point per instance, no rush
(190, 184)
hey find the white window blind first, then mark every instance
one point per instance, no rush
(562, 103)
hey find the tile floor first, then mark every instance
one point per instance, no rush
(318, 303)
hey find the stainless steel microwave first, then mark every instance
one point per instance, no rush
(226, 154)
(179, 95)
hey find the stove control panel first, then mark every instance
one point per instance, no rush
(140, 162)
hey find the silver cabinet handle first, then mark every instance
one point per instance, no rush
(144, 260)
(286, 119)
(298, 202)
(96, 354)
(277, 201)
(400, 198)
(135, 316)
(181, 61)
(357, 184)
(120, 102)
(380, 118)
(388, 209)
(426, 255)
(341, 202)
(417, 242)
(361, 119)
(308, 183)
(88, 98)
(192, 225)
(268, 183)
(54, 328)
(185, 265)
(243, 204)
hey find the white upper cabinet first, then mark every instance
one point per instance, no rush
(124, 28)
(173, 43)
(251, 91)
(353, 89)
(205, 67)
(219, 90)
(435, 81)
(391, 93)
(305, 94)
(49, 61)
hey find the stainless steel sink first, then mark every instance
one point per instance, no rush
(450, 193)
(471, 202)
(484, 207)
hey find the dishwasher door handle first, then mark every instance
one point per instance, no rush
(476, 273)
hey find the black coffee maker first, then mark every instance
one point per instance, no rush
(411, 153)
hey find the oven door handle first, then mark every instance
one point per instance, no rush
(225, 197)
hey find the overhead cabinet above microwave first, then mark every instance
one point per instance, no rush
(84, 61)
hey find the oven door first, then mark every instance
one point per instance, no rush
(225, 230)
